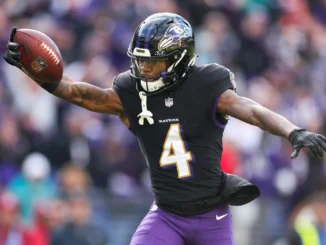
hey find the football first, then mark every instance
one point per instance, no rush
(40, 56)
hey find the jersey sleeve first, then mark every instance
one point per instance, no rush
(123, 81)
(222, 79)
(219, 80)
(123, 86)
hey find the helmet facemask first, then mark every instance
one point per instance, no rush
(138, 62)
(175, 70)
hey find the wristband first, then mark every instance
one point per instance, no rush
(50, 87)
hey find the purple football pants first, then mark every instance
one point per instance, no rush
(161, 228)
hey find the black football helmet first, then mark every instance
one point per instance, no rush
(162, 36)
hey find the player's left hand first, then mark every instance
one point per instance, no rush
(300, 138)
(12, 56)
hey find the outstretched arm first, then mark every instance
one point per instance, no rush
(253, 113)
(82, 94)
(89, 96)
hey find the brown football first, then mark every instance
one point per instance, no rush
(40, 56)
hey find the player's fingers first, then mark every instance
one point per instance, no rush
(314, 152)
(12, 46)
(316, 147)
(13, 62)
(12, 35)
(321, 155)
(295, 153)
(322, 137)
(322, 144)
(16, 63)
(15, 55)
(319, 151)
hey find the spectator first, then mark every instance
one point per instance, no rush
(11, 231)
(32, 185)
(309, 221)
(79, 230)
(49, 218)
(74, 180)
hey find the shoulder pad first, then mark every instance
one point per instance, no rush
(216, 73)
(124, 81)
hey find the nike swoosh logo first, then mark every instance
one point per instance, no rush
(220, 217)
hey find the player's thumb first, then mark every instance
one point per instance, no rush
(12, 34)
(295, 152)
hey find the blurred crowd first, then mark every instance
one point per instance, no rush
(61, 166)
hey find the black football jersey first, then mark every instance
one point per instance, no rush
(184, 145)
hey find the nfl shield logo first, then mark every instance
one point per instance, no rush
(39, 64)
(169, 102)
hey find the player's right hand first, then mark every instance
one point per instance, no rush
(12, 56)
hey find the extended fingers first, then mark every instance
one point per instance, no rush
(321, 146)
(295, 152)
(321, 137)
(314, 152)
(13, 62)
(12, 46)
(15, 55)
(320, 152)
(316, 148)
(321, 143)
(12, 35)
(12, 56)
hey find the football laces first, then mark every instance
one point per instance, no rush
(51, 53)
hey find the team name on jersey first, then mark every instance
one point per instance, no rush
(168, 120)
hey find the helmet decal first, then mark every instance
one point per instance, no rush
(174, 36)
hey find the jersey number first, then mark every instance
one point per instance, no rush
(175, 153)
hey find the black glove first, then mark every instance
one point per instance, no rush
(12, 56)
(316, 143)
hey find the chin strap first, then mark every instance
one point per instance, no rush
(190, 64)
(145, 114)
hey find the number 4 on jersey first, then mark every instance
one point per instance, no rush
(175, 153)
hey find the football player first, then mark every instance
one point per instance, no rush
(178, 112)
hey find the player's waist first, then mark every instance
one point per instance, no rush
(195, 207)
(233, 190)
